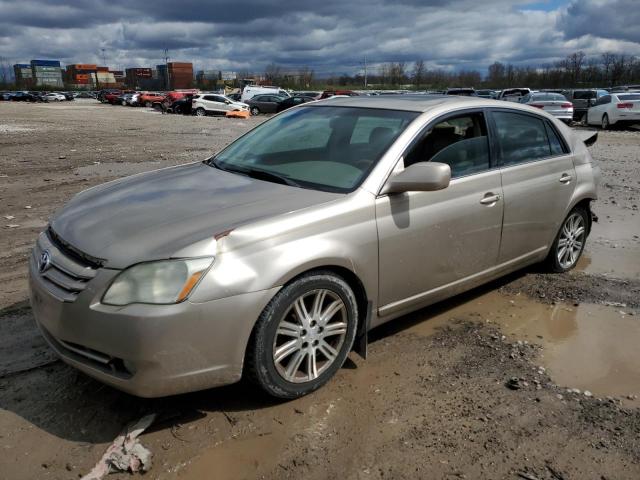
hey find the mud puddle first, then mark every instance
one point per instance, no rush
(588, 347)
(238, 459)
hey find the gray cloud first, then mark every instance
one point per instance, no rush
(331, 36)
(615, 19)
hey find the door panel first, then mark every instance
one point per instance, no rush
(535, 200)
(430, 239)
(537, 181)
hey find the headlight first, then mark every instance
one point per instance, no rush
(163, 282)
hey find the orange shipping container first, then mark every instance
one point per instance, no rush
(84, 66)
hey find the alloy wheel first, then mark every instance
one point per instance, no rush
(571, 241)
(310, 336)
(605, 122)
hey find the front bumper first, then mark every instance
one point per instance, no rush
(147, 350)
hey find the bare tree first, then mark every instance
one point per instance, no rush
(273, 73)
(418, 73)
(574, 63)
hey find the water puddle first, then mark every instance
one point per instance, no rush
(238, 459)
(589, 347)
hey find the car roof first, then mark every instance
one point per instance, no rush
(412, 103)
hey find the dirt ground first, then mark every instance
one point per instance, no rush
(535, 376)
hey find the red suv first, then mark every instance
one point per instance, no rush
(148, 98)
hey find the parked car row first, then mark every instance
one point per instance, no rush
(25, 96)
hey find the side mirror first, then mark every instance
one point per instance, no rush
(419, 177)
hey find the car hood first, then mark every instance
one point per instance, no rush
(154, 215)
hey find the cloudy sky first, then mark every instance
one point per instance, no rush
(330, 36)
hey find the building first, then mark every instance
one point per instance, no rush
(47, 73)
(119, 77)
(139, 78)
(207, 78)
(180, 75)
(161, 76)
(23, 75)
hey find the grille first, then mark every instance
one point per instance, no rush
(69, 269)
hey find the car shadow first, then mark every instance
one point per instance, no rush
(70, 405)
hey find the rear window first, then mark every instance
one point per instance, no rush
(584, 94)
(630, 96)
(548, 97)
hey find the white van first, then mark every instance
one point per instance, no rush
(251, 91)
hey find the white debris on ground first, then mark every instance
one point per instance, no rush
(126, 453)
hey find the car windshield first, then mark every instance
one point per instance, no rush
(324, 148)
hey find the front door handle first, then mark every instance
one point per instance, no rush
(565, 178)
(490, 199)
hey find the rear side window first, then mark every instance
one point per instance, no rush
(461, 142)
(557, 146)
(521, 138)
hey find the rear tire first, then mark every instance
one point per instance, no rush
(303, 336)
(147, 104)
(569, 244)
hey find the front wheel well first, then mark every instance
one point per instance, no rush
(352, 280)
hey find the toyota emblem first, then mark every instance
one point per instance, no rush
(45, 261)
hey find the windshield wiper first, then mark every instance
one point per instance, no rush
(255, 173)
(268, 176)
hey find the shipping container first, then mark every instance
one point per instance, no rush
(82, 66)
(46, 63)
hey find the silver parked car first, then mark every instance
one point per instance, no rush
(273, 258)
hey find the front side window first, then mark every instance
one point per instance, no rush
(324, 148)
(461, 142)
(521, 138)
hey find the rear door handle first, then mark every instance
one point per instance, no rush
(565, 178)
(490, 199)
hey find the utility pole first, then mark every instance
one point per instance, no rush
(166, 68)
(365, 72)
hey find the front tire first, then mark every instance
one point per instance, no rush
(303, 336)
(569, 243)
(255, 111)
(147, 104)
(605, 122)
(200, 112)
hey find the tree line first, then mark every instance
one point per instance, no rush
(575, 70)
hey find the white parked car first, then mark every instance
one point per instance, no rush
(251, 91)
(209, 103)
(513, 94)
(134, 100)
(615, 109)
(54, 97)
